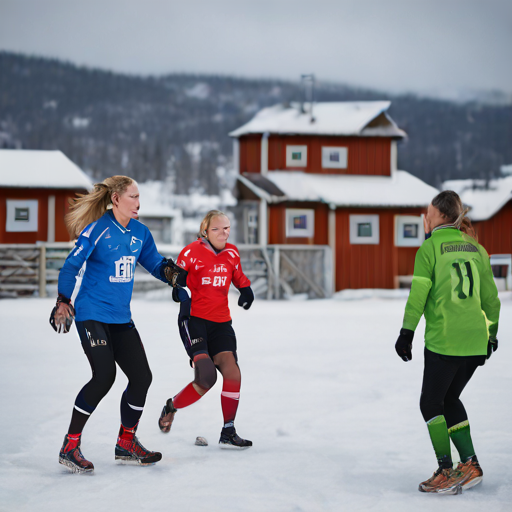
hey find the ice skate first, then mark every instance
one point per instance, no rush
(471, 471)
(72, 457)
(443, 481)
(167, 416)
(130, 451)
(231, 440)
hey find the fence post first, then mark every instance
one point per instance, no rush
(42, 271)
(277, 272)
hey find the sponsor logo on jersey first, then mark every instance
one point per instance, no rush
(206, 280)
(220, 280)
(196, 340)
(93, 342)
(220, 267)
(124, 270)
(135, 244)
(447, 247)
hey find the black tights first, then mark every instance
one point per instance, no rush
(105, 345)
(444, 379)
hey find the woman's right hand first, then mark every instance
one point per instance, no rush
(62, 315)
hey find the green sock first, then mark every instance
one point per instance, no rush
(461, 438)
(440, 440)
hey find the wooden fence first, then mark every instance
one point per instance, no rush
(276, 271)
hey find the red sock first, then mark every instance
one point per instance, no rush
(127, 434)
(73, 440)
(187, 396)
(229, 400)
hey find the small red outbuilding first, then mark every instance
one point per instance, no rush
(35, 188)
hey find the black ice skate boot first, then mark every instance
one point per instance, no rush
(167, 416)
(231, 440)
(130, 451)
(71, 456)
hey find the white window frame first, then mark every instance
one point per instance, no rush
(328, 164)
(303, 162)
(355, 239)
(400, 222)
(293, 232)
(19, 226)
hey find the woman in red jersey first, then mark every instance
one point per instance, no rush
(205, 323)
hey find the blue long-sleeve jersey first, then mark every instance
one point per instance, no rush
(107, 253)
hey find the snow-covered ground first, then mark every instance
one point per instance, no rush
(331, 409)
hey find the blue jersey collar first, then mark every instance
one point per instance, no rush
(119, 226)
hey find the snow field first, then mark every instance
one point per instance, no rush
(331, 409)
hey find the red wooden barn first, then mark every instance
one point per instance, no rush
(35, 188)
(328, 176)
(491, 210)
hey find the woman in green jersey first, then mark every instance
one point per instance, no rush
(454, 288)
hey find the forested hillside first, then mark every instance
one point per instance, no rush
(177, 125)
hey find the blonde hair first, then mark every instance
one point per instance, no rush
(87, 208)
(205, 223)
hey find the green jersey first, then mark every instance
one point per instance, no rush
(454, 288)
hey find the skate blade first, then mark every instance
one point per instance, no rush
(472, 483)
(127, 461)
(225, 446)
(450, 491)
(74, 469)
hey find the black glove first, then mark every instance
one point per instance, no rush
(246, 297)
(175, 275)
(62, 315)
(492, 346)
(403, 345)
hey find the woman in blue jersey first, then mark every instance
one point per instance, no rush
(110, 244)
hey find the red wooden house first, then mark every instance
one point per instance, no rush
(329, 177)
(490, 210)
(35, 188)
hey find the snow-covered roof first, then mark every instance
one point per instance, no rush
(23, 168)
(349, 118)
(484, 198)
(402, 189)
(155, 200)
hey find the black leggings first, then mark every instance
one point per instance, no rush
(444, 378)
(108, 344)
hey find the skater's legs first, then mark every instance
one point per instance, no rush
(205, 377)
(228, 367)
(99, 351)
(131, 357)
(438, 375)
(455, 413)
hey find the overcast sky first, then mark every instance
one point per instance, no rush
(429, 46)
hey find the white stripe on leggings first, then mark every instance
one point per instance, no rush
(135, 408)
(82, 411)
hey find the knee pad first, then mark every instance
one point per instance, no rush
(205, 373)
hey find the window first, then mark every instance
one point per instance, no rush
(21, 215)
(334, 158)
(296, 156)
(364, 229)
(300, 223)
(409, 231)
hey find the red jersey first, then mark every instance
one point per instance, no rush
(209, 277)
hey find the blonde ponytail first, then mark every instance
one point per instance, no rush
(87, 208)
